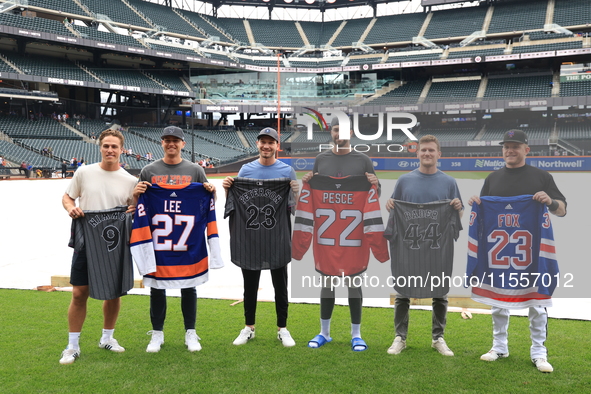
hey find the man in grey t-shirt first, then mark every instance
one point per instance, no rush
(425, 185)
(172, 170)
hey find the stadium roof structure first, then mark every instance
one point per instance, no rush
(320, 5)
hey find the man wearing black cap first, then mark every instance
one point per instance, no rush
(515, 179)
(250, 258)
(172, 169)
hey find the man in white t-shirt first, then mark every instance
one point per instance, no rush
(98, 186)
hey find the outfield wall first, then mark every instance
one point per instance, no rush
(549, 163)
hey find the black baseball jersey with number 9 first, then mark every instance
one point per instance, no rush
(260, 226)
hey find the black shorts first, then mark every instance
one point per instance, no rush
(79, 272)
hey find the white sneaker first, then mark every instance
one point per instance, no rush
(246, 334)
(156, 341)
(442, 347)
(69, 356)
(493, 356)
(542, 365)
(285, 337)
(192, 341)
(112, 345)
(398, 346)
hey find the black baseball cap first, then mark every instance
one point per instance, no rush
(173, 131)
(514, 136)
(269, 132)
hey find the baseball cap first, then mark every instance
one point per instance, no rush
(514, 136)
(269, 132)
(173, 131)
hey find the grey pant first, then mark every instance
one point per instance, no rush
(439, 318)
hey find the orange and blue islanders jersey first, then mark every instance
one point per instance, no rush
(168, 241)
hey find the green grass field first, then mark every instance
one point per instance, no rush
(34, 332)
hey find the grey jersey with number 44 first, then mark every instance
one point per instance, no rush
(422, 247)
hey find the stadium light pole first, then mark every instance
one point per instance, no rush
(192, 136)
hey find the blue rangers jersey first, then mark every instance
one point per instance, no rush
(168, 236)
(511, 255)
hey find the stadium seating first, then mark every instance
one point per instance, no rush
(328, 30)
(451, 133)
(66, 149)
(556, 46)
(235, 27)
(452, 91)
(21, 127)
(166, 18)
(459, 22)
(117, 11)
(208, 28)
(574, 131)
(313, 31)
(364, 60)
(570, 89)
(17, 155)
(93, 34)
(173, 49)
(542, 35)
(275, 33)
(51, 67)
(476, 52)
(89, 127)
(351, 33)
(518, 16)
(37, 24)
(68, 6)
(395, 28)
(519, 86)
(172, 79)
(406, 94)
(126, 77)
(4, 67)
(572, 12)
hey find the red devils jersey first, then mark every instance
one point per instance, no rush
(343, 216)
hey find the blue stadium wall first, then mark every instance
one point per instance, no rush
(561, 163)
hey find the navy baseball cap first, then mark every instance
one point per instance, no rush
(269, 132)
(173, 131)
(514, 136)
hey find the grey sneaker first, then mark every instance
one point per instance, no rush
(542, 365)
(398, 346)
(442, 347)
(246, 334)
(493, 356)
(69, 356)
(156, 341)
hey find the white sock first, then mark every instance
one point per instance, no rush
(74, 340)
(325, 328)
(107, 334)
(355, 330)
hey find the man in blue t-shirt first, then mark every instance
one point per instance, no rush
(265, 167)
(423, 185)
